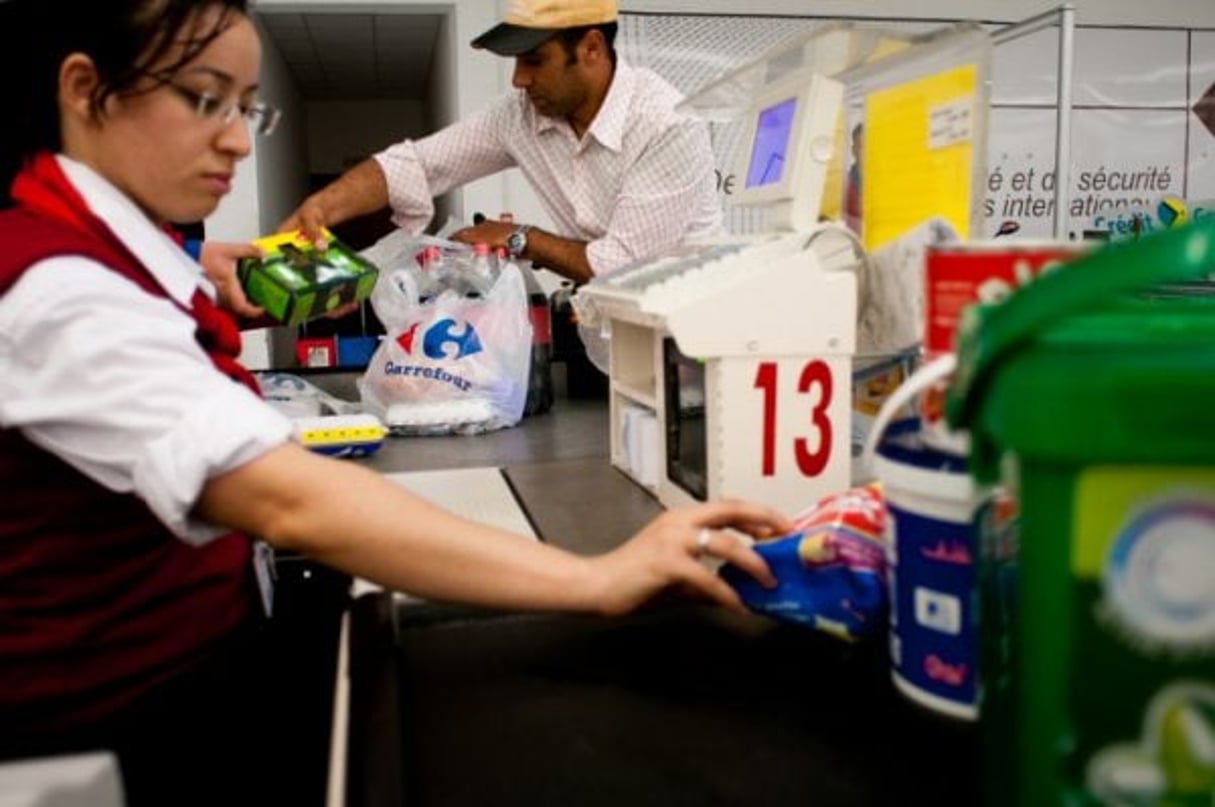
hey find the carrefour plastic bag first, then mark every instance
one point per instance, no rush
(455, 356)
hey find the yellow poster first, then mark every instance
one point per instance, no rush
(917, 155)
(833, 186)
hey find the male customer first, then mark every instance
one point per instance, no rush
(621, 173)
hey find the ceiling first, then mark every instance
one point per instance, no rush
(356, 56)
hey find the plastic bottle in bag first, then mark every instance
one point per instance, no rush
(456, 271)
(540, 375)
(540, 382)
(484, 273)
(582, 378)
(430, 272)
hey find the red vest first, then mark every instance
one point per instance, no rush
(98, 601)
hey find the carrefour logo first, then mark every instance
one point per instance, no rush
(444, 339)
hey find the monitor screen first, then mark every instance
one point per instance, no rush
(772, 130)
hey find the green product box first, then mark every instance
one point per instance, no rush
(1088, 392)
(294, 282)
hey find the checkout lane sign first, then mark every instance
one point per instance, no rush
(805, 433)
(777, 429)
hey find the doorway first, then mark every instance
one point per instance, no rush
(350, 84)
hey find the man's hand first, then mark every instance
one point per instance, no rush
(489, 232)
(565, 256)
(219, 262)
(359, 191)
(309, 218)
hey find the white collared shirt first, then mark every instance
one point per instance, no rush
(111, 380)
(639, 181)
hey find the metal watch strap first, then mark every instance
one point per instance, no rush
(516, 242)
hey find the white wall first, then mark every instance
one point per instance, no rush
(443, 109)
(281, 179)
(237, 217)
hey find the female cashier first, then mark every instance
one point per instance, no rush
(136, 459)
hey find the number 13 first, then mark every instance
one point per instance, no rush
(815, 374)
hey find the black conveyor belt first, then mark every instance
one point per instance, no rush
(678, 705)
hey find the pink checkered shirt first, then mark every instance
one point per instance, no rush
(638, 182)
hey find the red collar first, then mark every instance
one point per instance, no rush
(41, 186)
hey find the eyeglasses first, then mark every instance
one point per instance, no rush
(260, 117)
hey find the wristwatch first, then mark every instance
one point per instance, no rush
(516, 242)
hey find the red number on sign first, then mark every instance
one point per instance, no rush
(810, 463)
(765, 379)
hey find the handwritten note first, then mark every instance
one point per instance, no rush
(918, 155)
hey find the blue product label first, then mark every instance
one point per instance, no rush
(932, 625)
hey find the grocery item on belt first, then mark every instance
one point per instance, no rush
(831, 572)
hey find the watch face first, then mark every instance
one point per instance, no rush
(516, 243)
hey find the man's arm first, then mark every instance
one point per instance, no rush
(565, 256)
(361, 190)
(662, 202)
(407, 176)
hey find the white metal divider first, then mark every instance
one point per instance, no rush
(1065, 17)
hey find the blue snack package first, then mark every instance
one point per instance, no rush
(831, 573)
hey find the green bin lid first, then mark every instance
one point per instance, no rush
(1092, 364)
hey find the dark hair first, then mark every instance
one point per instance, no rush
(122, 37)
(570, 37)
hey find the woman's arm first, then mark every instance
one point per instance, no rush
(353, 519)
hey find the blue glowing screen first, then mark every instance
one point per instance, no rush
(771, 143)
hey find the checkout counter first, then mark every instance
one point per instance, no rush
(681, 703)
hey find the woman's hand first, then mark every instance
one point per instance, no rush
(668, 552)
(219, 262)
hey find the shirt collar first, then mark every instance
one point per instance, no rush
(178, 274)
(608, 125)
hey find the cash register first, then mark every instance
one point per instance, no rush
(731, 358)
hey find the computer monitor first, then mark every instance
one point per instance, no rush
(788, 145)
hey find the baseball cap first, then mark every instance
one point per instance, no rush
(528, 24)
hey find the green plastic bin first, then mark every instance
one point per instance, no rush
(1090, 396)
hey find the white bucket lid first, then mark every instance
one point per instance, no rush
(905, 463)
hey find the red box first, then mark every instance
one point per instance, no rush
(316, 352)
(957, 275)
